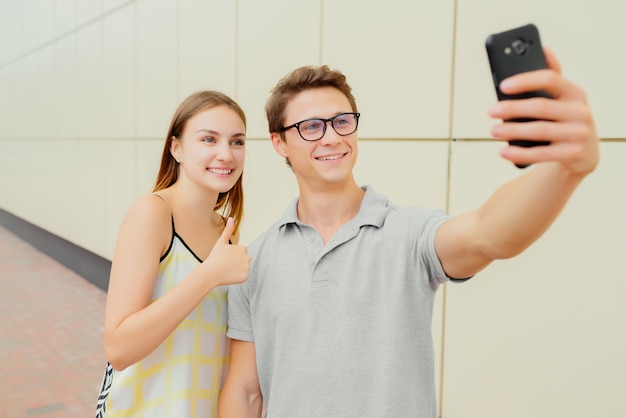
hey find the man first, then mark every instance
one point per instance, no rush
(335, 318)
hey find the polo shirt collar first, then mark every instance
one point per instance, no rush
(373, 211)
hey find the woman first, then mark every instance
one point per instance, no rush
(176, 252)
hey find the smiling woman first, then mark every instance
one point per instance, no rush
(213, 142)
(176, 253)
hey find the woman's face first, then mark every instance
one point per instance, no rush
(211, 150)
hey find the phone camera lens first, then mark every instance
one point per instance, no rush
(519, 47)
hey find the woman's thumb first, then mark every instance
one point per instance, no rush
(228, 231)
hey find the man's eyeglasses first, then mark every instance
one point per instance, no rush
(314, 129)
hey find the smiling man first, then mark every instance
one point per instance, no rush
(335, 318)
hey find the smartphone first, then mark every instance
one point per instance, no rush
(511, 52)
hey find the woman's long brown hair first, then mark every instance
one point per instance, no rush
(231, 202)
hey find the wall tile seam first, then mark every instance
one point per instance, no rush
(264, 138)
(63, 35)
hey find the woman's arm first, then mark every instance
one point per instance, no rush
(134, 327)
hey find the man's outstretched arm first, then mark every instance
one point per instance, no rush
(519, 212)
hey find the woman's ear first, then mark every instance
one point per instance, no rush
(175, 148)
(279, 144)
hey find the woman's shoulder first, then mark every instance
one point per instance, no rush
(152, 203)
(150, 209)
(146, 228)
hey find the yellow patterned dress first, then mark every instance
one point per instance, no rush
(184, 375)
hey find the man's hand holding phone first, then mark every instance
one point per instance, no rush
(560, 120)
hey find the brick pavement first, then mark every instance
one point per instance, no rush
(51, 349)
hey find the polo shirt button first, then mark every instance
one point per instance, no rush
(312, 239)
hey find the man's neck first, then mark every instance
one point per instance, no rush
(328, 209)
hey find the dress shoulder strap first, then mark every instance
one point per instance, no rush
(173, 227)
(171, 214)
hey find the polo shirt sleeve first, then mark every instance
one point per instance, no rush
(239, 319)
(429, 252)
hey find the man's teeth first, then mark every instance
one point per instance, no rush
(330, 158)
(219, 171)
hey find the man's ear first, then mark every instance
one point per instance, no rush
(279, 144)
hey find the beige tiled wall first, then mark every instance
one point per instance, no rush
(543, 334)
(88, 87)
(587, 37)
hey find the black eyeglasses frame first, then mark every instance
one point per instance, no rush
(332, 123)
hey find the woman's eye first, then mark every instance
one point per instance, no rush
(208, 139)
(239, 142)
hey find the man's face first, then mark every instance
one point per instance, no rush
(328, 161)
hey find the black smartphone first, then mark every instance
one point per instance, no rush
(516, 51)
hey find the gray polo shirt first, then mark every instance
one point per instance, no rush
(344, 329)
